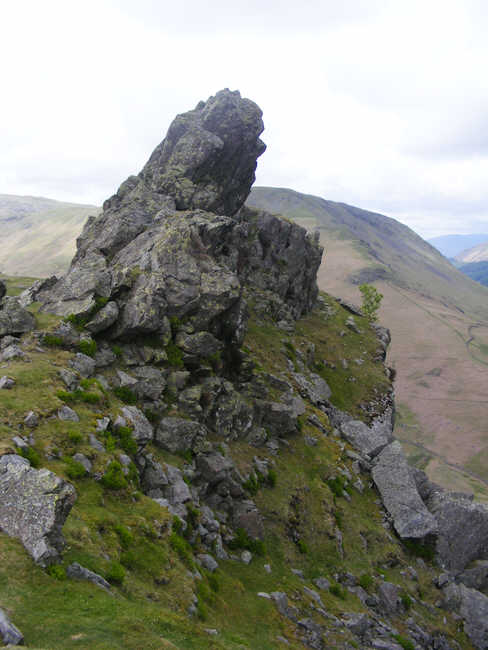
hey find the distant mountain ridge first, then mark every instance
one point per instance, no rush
(453, 245)
(477, 253)
(38, 234)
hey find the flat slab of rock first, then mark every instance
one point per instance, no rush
(10, 634)
(400, 496)
(79, 572)
(34, 505)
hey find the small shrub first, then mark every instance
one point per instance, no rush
(75, 437)
(251, 485)
(74, 469)
(127, 442)
(57, 571)
(175, 324)
(114, 478)
(181, 547)
(336, 485)
(32, 456)
(88, 347)
(272, 478)
(213, 582)
(337, 591)
(52, 341)
(90, 398)
(201, 611)
(129, 560)
(405, 643)
(366, 581)
(302, 547)
(66, 397)
(243, 541)
(406, 601)
(116, 573)
(151, 415)
(175, 356)
(424, 550)
(371, 301)
(339, 518)
(125, 394)
(77, 320)
(124, 535)
(117, 350)
(290, 348)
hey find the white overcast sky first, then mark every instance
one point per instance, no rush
(380, 104)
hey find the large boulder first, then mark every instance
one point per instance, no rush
(14, 319)
(34, 505)
(399, 494)
(473, 607)
(463, 529)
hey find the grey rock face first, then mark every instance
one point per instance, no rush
(389, 596)
(208, 157)
(476, 576)
(34, 505)
(104, 318)
(463, 529)
(142, 428)
(393, 479)
(83, 364)
(14, 319)
(177, 434)
(79, 572)
(473, 607)
(10, 634)
(369, 440)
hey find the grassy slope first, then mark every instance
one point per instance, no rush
(38, 235)
(437, 317)
(124, 527)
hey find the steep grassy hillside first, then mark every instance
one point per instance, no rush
(477, 271)
(438, 319)
(38, 235)
(316, 523)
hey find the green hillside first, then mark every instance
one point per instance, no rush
(316, 523)
(477, 271)
(38, 234)
(439, 322)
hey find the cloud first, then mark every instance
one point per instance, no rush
(376, 104)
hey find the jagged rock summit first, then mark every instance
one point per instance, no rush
(175, 241)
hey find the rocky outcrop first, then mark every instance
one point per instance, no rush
(394, 481)
(175, 242)
(3, 289)
(34, 505)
